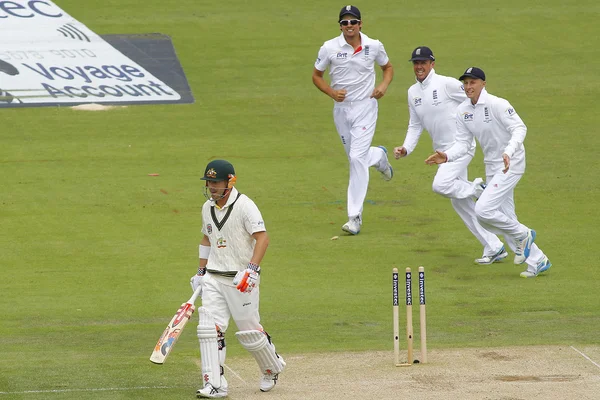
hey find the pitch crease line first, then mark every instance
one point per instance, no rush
(586, 357)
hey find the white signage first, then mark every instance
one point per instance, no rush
(48, 57)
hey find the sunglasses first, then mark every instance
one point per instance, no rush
(345, 22)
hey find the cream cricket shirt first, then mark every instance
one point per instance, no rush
(349, 69)
(230, 230)
(498, 129)
(432, 106)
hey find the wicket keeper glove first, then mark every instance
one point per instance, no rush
(198, 280)
(245, 281)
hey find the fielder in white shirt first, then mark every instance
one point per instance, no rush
(500, 132)
(351, 58)
(233, 245)
(432, 103)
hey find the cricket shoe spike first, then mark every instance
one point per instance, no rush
(352, 226)
(523, 247)
(542, 266)
(487, 260)
(209, 392)
(388, 172)
(268, 381)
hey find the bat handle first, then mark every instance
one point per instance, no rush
(197, 292)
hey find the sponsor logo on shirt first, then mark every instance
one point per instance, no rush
(221, 243)
(510, 111)
(209, 228)
(467, 116)
(418, 101)
(342, 55)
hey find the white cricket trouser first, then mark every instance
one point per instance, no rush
(495, 210)
(451, 181)
(355, 123)
(225, 302)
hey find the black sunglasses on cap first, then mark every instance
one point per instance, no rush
(345, 22)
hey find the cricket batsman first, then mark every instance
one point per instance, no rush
(234, 243)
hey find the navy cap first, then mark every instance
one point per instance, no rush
(473, 72)
(349, 10)
(422, 53)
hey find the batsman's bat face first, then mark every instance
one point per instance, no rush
(171, 333)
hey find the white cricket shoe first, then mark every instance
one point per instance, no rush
(268, 381)
(487, 260)
(478, 186)
(352, 226)
(388, 172)
(524, 247)
(209, 392)
(542, 266)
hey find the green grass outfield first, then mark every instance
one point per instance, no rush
(96, 255)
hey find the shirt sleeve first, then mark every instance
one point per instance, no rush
(382, 57)
(322, 59)
(455, 90)
(253, 221)
(415, 128)
(463, 140)
(514, 124)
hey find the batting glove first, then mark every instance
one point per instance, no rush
(198, 280)
(245, 281)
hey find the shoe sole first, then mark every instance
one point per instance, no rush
(495, 260)
(350, 231)
(545, 268)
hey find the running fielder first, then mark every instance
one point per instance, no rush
(351, 59)
(501, 133)
(432, 103)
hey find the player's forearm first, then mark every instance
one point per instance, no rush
(413, 133)
(458, 149)
(260, 247)
(322, 85)
(388, 74)
(204, 251)
(516, 142)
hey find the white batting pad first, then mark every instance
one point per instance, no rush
(209, 351)
(257, 343)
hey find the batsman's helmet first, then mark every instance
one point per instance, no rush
(218, 170)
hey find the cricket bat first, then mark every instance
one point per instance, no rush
(172, 332)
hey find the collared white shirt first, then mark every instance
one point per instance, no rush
(432, 106)
(349, 69)
(498, 129)
(230, 231)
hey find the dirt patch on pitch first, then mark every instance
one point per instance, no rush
(543, 372)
